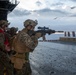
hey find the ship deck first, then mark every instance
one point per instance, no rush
(51, 58)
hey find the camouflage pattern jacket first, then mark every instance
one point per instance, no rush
(22, 44)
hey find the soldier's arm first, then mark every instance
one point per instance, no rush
(38, 35)
(29, 41)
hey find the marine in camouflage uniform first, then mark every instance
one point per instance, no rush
(5, 65)
(23, 43)
(12, 32)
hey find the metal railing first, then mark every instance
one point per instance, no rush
(14, 1)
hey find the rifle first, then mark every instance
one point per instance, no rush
(43, 31)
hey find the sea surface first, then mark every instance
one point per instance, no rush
(54, 58)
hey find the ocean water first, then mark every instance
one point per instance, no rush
(50, 58)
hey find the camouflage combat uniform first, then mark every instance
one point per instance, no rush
(4, 59)
(5, 64)
(23, 43)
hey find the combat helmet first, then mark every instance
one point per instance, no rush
(14, 29)
(3, 22)
(30, 22)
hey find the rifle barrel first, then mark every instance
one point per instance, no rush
(60, 31)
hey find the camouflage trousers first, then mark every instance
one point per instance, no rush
(5, 64)
(26, 70)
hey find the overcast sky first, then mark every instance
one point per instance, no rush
(54, 12)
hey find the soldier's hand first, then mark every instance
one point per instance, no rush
(38, 35)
